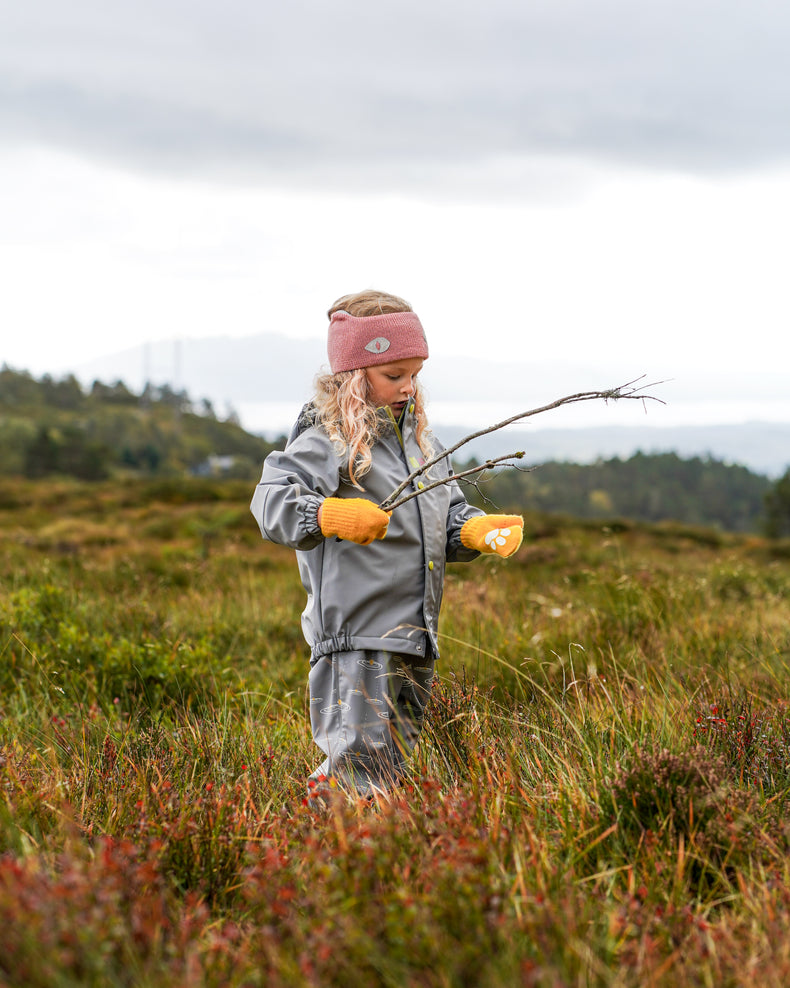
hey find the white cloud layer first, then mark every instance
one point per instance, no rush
(411, 94)
(599, 183)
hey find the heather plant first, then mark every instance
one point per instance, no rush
(106, 917)
(684, 805)
(599, 797)
(752, 737)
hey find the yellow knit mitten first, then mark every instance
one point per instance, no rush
(353, 518)
(501, 534)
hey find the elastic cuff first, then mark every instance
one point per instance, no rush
(310, 508)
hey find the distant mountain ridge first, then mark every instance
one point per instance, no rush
(763, 447)
(54, 427)
(270, 367)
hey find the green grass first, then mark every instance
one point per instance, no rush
(600, 796)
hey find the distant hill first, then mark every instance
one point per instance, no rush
(264, 367)
(51, 427)
(763, 447)
(271, 368)
(644, 488)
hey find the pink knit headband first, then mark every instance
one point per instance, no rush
(363, 341)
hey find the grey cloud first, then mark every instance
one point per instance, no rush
(399, 93)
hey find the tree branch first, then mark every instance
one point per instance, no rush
(488, 465)
(623, 391)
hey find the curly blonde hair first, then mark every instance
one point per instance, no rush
(342, 401)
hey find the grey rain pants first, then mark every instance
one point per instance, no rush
(366, 711)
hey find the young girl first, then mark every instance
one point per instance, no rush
(373, 578)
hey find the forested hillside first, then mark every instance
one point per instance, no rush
(50, 427)
(55, 427)
(651, 488)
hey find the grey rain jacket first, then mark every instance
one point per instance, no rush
(380, 596)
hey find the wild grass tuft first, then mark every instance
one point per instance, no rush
(600, 795)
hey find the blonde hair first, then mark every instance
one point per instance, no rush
(369, 303)
(342, 401)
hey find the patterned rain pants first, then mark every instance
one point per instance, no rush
(366, 711)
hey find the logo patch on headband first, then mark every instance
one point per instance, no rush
(379, 345)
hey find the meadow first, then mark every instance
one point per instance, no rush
(600, 796)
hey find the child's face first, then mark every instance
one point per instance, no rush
(393, 384)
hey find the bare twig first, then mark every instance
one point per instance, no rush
(628, 390)
(488, 465)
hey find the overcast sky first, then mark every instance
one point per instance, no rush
(598, 182)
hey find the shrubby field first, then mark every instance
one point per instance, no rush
(600, 797)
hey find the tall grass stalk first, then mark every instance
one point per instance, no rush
(599, 797)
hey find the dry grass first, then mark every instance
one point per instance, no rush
(599, 798)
